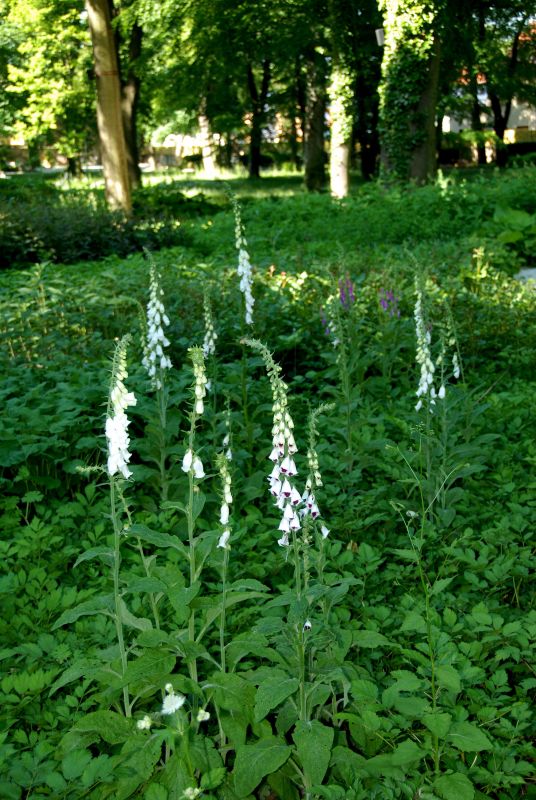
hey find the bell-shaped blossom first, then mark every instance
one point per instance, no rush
(209, 342)
(117, 423)
(244, 269)
(155, 359)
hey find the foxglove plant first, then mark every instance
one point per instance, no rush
(244, 269)
(155, 359)
(389, 302)
(209, 342)
(425, 389)
(287, 497)
(226, 500)
(116, 428)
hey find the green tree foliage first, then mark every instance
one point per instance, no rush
(50, 76)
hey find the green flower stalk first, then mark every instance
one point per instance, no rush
(118, 457)
(226, 500)
(155, 359)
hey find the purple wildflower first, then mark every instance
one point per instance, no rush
(389, 302)
(346, 292)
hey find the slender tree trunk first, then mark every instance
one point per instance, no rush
(258, 104)
(477, 126)
(341, 95)
(109, 117)
(367, 127)
(315, 109)
(130, 94)
(207, 142)
(500, 117)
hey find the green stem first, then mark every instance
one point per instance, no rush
(223, 601)
(115, 576)
(161, 399)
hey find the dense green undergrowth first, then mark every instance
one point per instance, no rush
(418, 669)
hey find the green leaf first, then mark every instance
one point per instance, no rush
(97, 605)
(110, 726)
(438, 723)
(414, 621)
(440, 585)
(75, 763)
(155, 792)
(127, 618)
(313, 743)
(449, 678)
(271, 693)
(254, 761)
(104, 553)
(158, 539)
(149, 667)
(407, 753)
(213, 778)
(454, 787)
(370, 639)
(468, 738)
(198, 504)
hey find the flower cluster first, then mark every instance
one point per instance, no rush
(287, 497)
(154, 357)
(244, 265)
(116, 420)
(423, 356)
(346, 292)
(455, 366)
(389, 302)
(209, 342)
(314, 478)
(227, 498)
(172, 702)
(200, 387)
(192, 462)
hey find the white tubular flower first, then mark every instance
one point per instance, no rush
(455, 366)
(442, 392)
(116, 420)
(187, 461)
(225, 476)
(423, 355)
(223, 541)
(155, 359)
(200, 385)
(244, 265)
(324, 531)
(197, 467)
(144, 724)
(209, 342)
(202, 715)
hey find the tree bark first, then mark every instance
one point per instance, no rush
(366, 131)
(130, 94)
(258, 104)
(109, 116)
(500, 117)
(315, 108)
(341, 95)
(423, 162)
(207, 142)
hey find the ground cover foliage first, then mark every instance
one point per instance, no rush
(390, 659)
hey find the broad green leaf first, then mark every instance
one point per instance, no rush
(155, 792)
(271, 693)
(406, 681)
(149, 667)
(440, 585)
(110, 726)
(254, 761)
(198, 504)
(438, 723)
(448, 677)
(371, 639)
(413, 621)
(468, 738)
(407, 753)
(127, 618)
(313, 742)
(364, 691)
(104, 553)
(75, 763)
(97, 605)
(454, 787)
(164, 540)
(213, 778)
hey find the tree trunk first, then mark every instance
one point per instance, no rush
(258, 104)
(74, 166)
(207, 142)
(476, 124)
(408, 89)
(109, 117)
(367, 127)
(315, 107)
(423, 162)
(341, 94)
(130, 94)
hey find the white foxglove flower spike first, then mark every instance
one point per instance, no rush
(117, 423)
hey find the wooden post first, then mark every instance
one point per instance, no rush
(109, 114)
